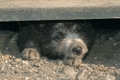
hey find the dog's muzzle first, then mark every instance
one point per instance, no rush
(77, 50)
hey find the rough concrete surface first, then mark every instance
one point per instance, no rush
(24, 10)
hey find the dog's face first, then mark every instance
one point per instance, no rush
(65, 39)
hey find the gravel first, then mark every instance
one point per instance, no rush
(102, 63)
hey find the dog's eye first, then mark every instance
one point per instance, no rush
(59, 36)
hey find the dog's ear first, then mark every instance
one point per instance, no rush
(59, 25)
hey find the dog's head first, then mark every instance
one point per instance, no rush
(68, 39)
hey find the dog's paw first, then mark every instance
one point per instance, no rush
(77, 62)
(72, 62)
(68, 61)
(30, 54)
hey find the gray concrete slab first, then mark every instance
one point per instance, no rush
(27, 10)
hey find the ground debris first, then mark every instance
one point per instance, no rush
(102, 68)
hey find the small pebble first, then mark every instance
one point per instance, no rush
(6, 61)
(94, 65)
(101, 66)
(26, 78)
(25, 62)
(18, 60)
(110, 77)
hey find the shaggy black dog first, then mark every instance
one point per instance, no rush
(67, 40)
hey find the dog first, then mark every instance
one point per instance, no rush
(67, 40)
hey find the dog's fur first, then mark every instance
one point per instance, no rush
(67, 40)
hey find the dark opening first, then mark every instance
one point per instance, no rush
(97, 24)
(104, 29)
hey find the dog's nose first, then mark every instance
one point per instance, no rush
(77, 50)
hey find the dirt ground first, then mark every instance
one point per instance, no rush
(102, 63)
